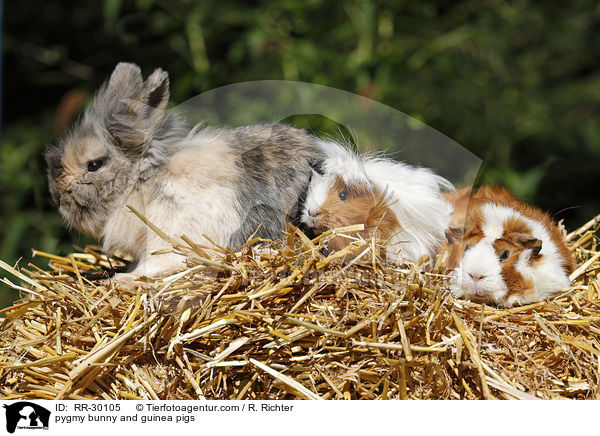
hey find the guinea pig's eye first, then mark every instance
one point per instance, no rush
(343, 195)
(504, 255)
(94, 165)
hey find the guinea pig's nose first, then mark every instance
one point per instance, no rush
(476, 277)
(314, 213)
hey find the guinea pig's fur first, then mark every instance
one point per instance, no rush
(396, 202)
(212, 185)
(513, 253)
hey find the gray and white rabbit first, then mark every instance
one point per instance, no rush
(203, 183)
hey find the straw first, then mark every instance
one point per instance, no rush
(284, 320)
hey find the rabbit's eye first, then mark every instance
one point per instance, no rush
(343, 195)
(504, 255)
(94, 165)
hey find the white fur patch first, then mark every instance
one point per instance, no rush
(315, 197)
(479, 275)
(414, 196)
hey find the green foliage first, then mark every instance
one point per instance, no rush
(517, 83)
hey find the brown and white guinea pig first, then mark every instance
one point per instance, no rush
(512, 253)
(396, 202)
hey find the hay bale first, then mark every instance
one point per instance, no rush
(287, 322)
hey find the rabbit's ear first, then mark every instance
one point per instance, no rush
(138, 117)
(155, 96)
(125, 77)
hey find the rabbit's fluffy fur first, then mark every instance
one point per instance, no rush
(220, 184)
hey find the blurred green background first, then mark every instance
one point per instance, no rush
(517, 83)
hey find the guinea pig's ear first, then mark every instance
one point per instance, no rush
(528, 241)
(454, 234)
(138, 117)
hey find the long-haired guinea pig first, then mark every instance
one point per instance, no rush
(396, 202)
(211, 185)
(511, 254)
